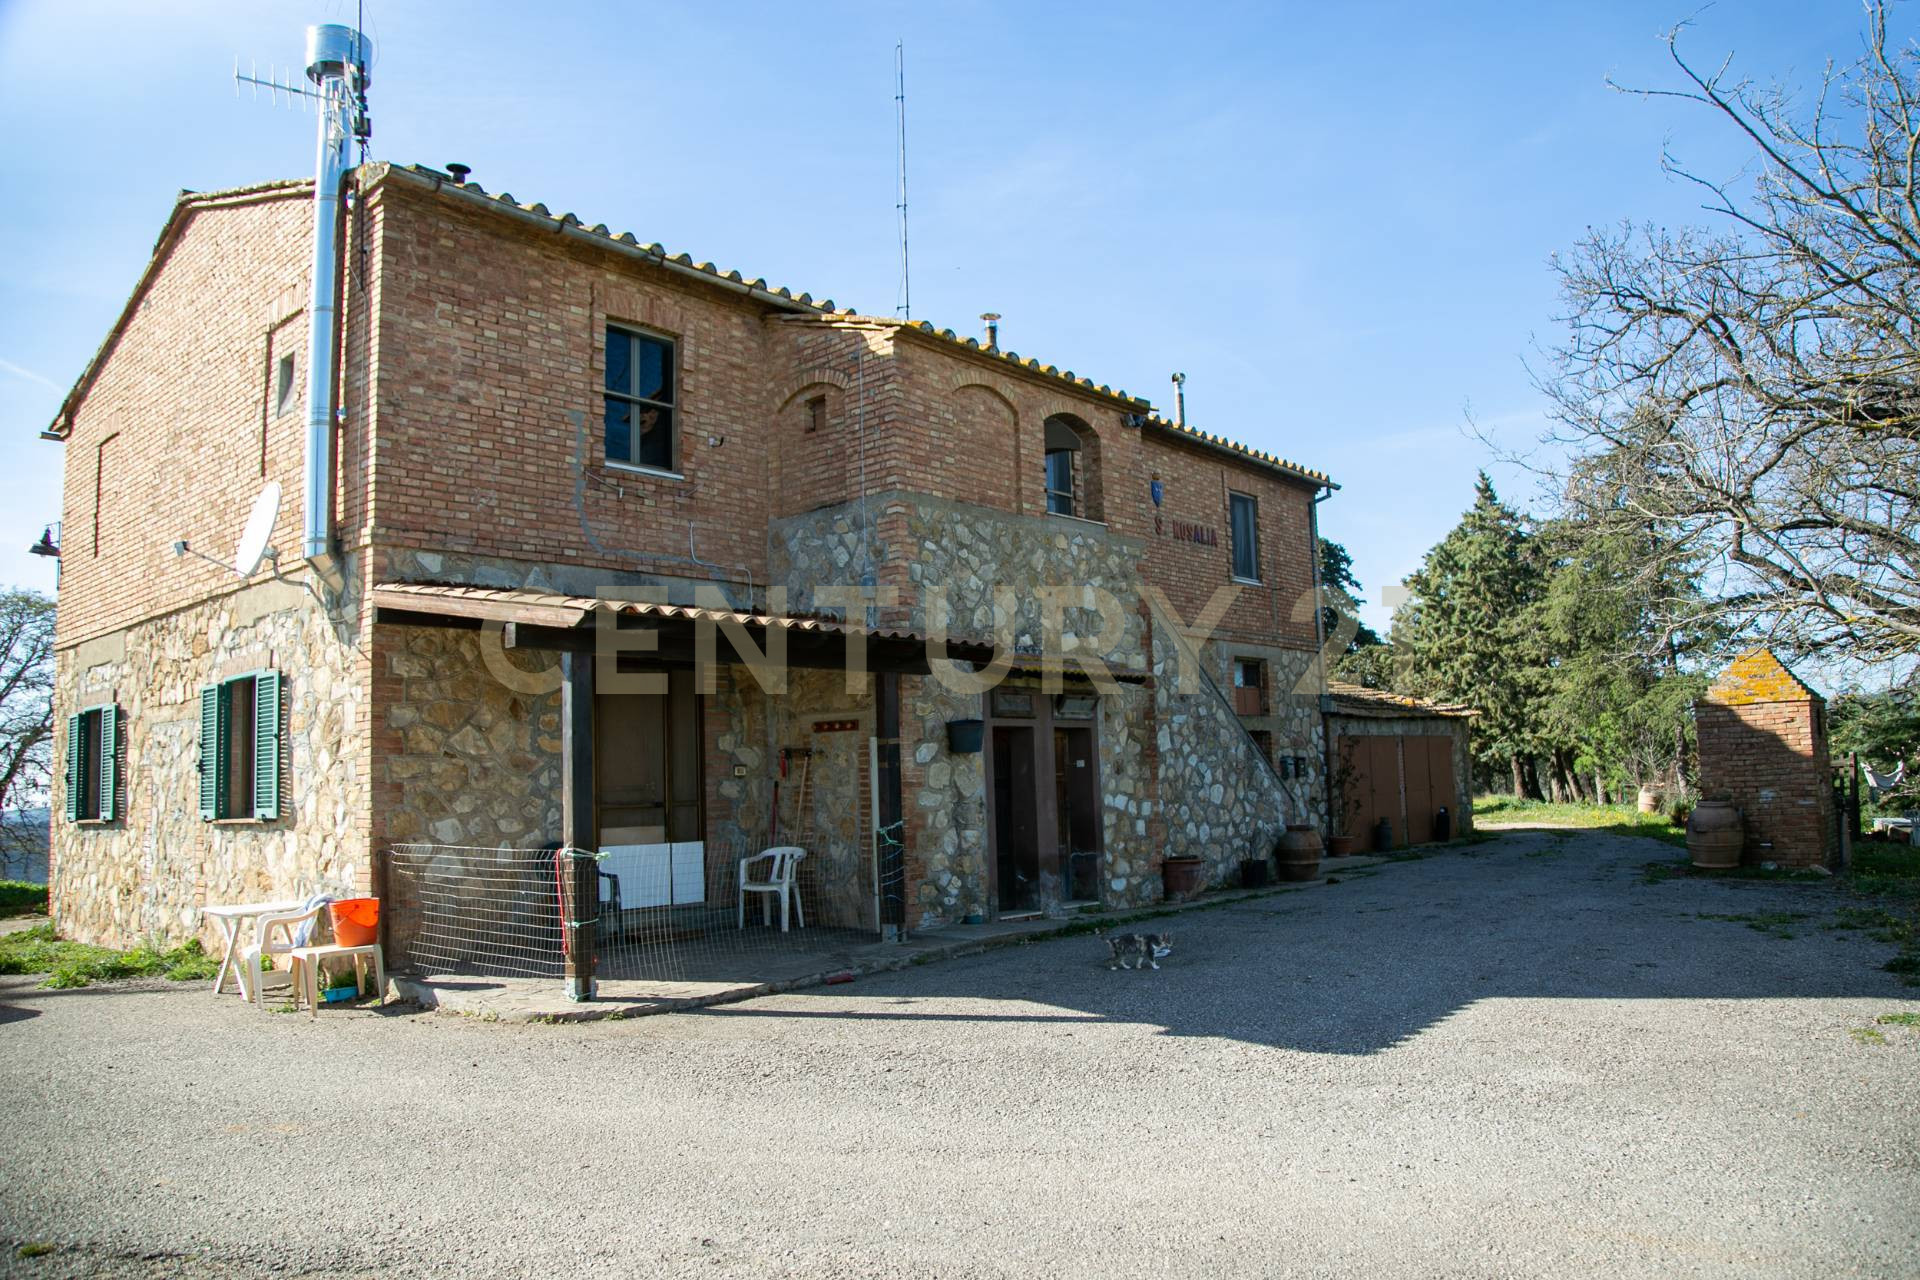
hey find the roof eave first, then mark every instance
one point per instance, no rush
(625, 244)
(1240, 453)
(186, 203)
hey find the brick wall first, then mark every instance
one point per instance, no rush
(1771, 758)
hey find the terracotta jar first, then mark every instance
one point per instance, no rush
(1715, 834)
(1298, 852)
(1342, 846)
(1181, 877)
(1649, 800)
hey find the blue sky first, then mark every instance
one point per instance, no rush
(1335, 219)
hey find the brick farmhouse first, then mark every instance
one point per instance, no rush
(553, 441)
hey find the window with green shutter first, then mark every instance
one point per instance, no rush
(240, 747)
(92, 775)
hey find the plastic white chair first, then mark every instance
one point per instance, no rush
(288, 925)
(779, 881)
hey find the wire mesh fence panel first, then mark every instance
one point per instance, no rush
(486, 912)
(730, 912)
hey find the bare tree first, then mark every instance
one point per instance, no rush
(1751, 393)
(26, 714)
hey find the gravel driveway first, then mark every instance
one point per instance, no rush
(1514, 1058)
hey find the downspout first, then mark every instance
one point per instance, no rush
(337, 65)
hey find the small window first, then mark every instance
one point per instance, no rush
(817, 414)
(93, 764)
(240, 747)
(283, 385)
(1249, 686)
(1263, 738)
(1063, 443)
(1060, 481)
(1245, 515)
(640, 400)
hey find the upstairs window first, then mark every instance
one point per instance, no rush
(1244, 516)
(93, 765)
(641, 428)
(1072, 482)
(1060, 481)
(240, 747)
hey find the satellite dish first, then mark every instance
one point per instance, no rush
(253, 547)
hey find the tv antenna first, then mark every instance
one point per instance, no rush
(341, 100)
(900, 105)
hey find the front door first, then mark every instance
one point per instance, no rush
(1045, 776)
(1016, 818)
(648, 790)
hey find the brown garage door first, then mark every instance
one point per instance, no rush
(1429, 772)
(1405, 780)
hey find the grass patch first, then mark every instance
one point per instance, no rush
(1866, 1035)
(76, 964)
(1899, 1019)
(1775, 924)
(1615, 819)
(35, 1249)
(22, 898)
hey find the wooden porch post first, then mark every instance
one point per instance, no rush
(577, 825)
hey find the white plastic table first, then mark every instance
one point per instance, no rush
(230, 918)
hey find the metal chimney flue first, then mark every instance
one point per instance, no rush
(992, 319)
(1179, 399)
(459, 172)
(337, 58)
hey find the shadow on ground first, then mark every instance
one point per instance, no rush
(1358, 965)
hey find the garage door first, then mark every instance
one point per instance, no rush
(1404, 779)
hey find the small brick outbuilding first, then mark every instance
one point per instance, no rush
(1763, 742)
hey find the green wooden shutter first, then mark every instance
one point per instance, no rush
(266, 745)
(109, 761)
(73, 773)
(213, 751)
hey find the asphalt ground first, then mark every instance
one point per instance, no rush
(1516, 1058)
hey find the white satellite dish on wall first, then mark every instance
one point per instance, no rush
(253, 547)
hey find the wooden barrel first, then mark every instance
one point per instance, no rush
(1715, 835)
(1298, 852)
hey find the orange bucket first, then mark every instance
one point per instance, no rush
(356, 921)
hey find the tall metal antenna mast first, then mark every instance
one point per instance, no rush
(900, 102)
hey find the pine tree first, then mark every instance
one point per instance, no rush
(1471, 630)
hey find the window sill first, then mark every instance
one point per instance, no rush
(240, 822)
(634, 468)
(1061, 515)
(93, 822)
(1247, 582)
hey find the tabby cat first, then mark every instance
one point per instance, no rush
(1143, 949)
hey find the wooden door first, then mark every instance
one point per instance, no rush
(1436, 756)
(1419, 784)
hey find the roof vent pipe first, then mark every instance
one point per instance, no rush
(993, 329)
(337, 65)
(459, 172)
(1179, 399)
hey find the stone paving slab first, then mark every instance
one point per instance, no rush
(545, 999)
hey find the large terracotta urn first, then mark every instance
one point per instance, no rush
(1715, 834)
(1182, 878)
(1298, 852)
